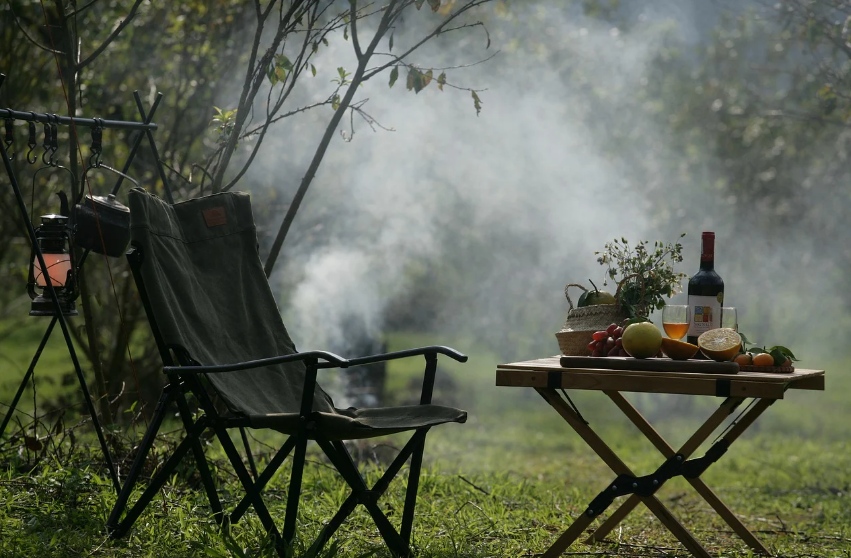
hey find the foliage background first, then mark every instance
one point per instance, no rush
(601, 119)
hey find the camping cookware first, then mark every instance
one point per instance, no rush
(114, 219)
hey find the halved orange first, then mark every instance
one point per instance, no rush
(678, 350)
(721, 344)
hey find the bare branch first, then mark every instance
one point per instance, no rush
(253, 80)
(437, 31)
(24, 31)
(321, 149)
(112, 36)
(81, 9)
(444, 68)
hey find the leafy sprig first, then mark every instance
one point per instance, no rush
(639, 265)
(754, 349)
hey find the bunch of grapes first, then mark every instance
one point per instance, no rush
(608, 342)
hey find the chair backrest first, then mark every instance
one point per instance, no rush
(209, 296)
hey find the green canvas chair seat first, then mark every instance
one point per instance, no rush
(220, 333)
(355, 424)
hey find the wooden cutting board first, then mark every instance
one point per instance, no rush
(650, 364)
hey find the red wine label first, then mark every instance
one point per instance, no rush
(705, 313)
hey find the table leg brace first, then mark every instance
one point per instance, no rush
(619, 468)
(711, 498)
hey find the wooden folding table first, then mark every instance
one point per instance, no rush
(549, 376)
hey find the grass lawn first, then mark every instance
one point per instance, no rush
(507, 483)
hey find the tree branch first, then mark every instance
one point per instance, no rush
(437, 31)
(307, 179)
(253, 80)
(112, 36)
(30, 39)
(353, 16)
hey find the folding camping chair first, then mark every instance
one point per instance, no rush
(219, 333)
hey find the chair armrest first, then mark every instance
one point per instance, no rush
(434, 349)
(332, 360)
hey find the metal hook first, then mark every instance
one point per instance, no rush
(47, 140)
(32, 142)
(54, 146)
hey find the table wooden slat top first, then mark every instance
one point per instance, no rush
(548, 373)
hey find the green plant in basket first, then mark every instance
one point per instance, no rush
(645, 275)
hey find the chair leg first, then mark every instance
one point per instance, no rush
(352, 501)
(250, 488)
(264, 478)
(413, 488)
(139, 461)
(162, 476)
(331, 527)
(295, 486)
(248, 453)
(344, 463)
(200, 460)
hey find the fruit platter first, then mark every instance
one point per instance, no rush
(640, 346)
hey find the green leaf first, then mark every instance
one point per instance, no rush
(283, 62)
(783, 350)
(778, 356)
(346, 33)
(391, 42)
(335, 102)
(394, 75)
(435, 5)
(313, 70)
(477, 103)
(419, 3)
(441, 80)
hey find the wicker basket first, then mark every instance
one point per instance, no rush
(581, 323)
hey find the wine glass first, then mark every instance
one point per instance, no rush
(675, 319)
(729, 317)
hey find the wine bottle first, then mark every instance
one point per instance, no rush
(705, 292)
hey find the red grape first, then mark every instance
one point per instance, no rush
(600, 335)
(613, 352)
(619, 342)
(611, 329)
(592, 345)
(610, 343)
(618, 332)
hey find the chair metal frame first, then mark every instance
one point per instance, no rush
(184, 378)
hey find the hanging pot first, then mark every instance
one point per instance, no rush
(114, 219)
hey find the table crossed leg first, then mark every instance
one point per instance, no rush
(620, 468)
(696, 468)
(689, 447)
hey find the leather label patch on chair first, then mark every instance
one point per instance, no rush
(215, 216)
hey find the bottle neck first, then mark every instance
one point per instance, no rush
(707, 251)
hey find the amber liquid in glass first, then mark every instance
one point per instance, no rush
(675, 330)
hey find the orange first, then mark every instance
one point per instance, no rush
(763, 359)
(642, 340)
(720, 344)
(678, 350)
(745, 359)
